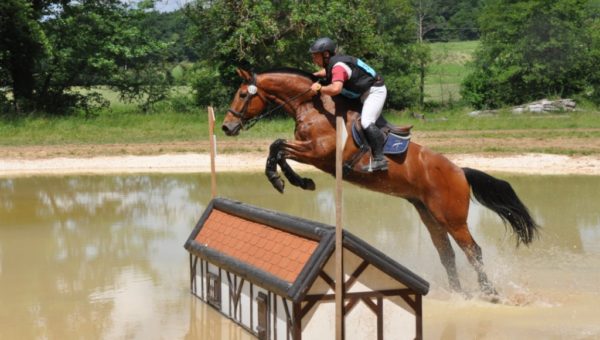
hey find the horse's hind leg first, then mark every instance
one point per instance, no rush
(440, 239)
(454, 220)
(463, 238)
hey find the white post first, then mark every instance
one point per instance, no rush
(339, 260)
(213, 151)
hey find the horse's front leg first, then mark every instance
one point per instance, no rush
(277, 156)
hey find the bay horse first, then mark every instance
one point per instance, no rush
(437, 188)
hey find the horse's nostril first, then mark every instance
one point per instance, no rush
(228, 130)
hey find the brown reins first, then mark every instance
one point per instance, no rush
(248, 123)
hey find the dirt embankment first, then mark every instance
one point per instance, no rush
(246, 155)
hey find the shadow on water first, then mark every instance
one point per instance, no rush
(102, 256)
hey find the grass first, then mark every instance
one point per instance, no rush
(130, 126)
(179, 121)
(447, 69)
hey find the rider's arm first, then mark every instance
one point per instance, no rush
(339, 76)
(332, 89)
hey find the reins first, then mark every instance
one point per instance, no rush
(248, 123)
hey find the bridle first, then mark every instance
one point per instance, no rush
(253, 91)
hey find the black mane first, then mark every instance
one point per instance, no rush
(292, 71)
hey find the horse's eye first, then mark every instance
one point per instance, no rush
(243, 94)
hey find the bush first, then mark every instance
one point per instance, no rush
(530, 50)
(208, 87)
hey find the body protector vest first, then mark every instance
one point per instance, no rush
(363, 76)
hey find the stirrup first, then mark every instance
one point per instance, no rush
(382, 165)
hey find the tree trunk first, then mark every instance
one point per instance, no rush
(23, 81)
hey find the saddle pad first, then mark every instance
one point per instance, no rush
(394, 144)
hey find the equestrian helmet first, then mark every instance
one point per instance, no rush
(322, 45)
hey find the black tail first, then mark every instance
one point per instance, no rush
(500, 197)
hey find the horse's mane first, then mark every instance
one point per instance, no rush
(292, 71)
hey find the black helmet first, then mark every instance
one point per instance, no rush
(322, 45)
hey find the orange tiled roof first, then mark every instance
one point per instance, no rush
(274, 251)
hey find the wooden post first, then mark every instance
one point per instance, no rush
(339, 259)
(213, 151)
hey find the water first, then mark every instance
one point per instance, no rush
(88, 257)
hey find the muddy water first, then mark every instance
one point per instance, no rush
(88, 257)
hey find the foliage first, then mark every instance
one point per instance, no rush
(23, 42)
(171, 28)
(207, 88)
(259, 35)
(76, 43)
(593, 90)
(448, 20)
(530, 50)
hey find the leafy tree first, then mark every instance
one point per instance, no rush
(593, 22)
(444, 20)
(462, 20)
(264, 34)
(529, 50)
(404, 57)
(57, 45)
(23, 42)
(170, 28)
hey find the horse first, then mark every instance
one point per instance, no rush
(438, 189)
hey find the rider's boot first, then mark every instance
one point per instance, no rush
(376, 141)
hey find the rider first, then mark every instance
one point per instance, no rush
(352, 78)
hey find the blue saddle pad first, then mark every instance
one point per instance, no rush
(394, 144)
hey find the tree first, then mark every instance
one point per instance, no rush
(264, 34)
(593, 22)
(23, 43)
(444, 20)
(53, 46)
(529, 50)
(171, 28)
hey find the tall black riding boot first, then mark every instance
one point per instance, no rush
(376, 141)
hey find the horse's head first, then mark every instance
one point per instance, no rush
(249, 102)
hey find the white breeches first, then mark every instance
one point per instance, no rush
(373, 101)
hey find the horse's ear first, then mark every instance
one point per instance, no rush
(244, 74)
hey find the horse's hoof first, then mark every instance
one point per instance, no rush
(278, 184)
(308, 184)
(494, 299)
(489, 293)
(488, 289)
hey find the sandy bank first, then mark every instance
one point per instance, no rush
(541, 164)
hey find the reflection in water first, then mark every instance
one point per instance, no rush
(102, 257)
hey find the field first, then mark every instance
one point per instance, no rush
(179, 126)
(447, 70)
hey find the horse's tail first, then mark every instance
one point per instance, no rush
(500, 197)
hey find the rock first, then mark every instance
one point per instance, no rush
(546, 105)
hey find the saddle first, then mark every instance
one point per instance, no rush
(397, 139)
(387, 127)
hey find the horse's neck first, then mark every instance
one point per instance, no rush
(288, 89)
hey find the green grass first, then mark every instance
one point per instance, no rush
(458, 119)
(130, 126)
(109, 127)
(447, 69)
(179, 120)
